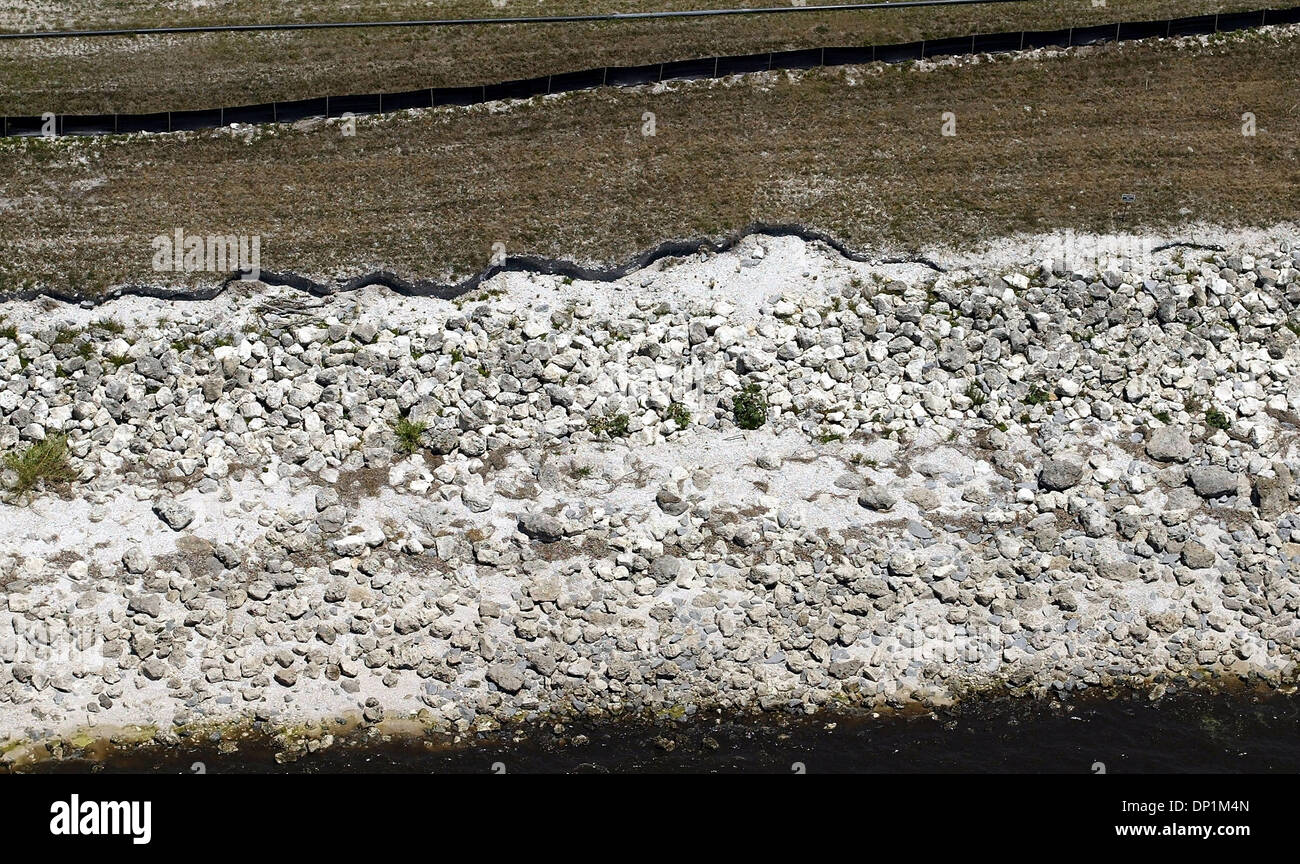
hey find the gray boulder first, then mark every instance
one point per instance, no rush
(1271, 496)
(541, 526)
(506, 677)
(665, 569)
(670, 502)
(1169, 444)
(1197, 555)
(1211, 481)
(175, 514)
(145, 604)
(877, 498)
(1060, 473)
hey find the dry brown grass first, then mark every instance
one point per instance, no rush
(27, 15)
(1042, 144)
(205, 71)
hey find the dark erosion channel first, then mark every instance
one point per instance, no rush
(1190, 732)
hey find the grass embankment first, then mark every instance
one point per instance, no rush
(1040, 145)
(127, 74)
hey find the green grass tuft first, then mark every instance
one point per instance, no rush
(679, 414)
(749, 407)
(44, 461)
(613, 425)
(1216, 419)
(409, 433)
(1037, 396)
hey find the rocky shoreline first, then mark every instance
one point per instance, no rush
(772, 479)
(1216, 728)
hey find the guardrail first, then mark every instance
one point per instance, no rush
(627, 76)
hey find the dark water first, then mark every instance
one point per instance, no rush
(1188, 733)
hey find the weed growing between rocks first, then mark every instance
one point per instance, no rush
(44, 461)
(613, 425)
(679, 414)
(750, 407)
(1037, 396)
(409, 433)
